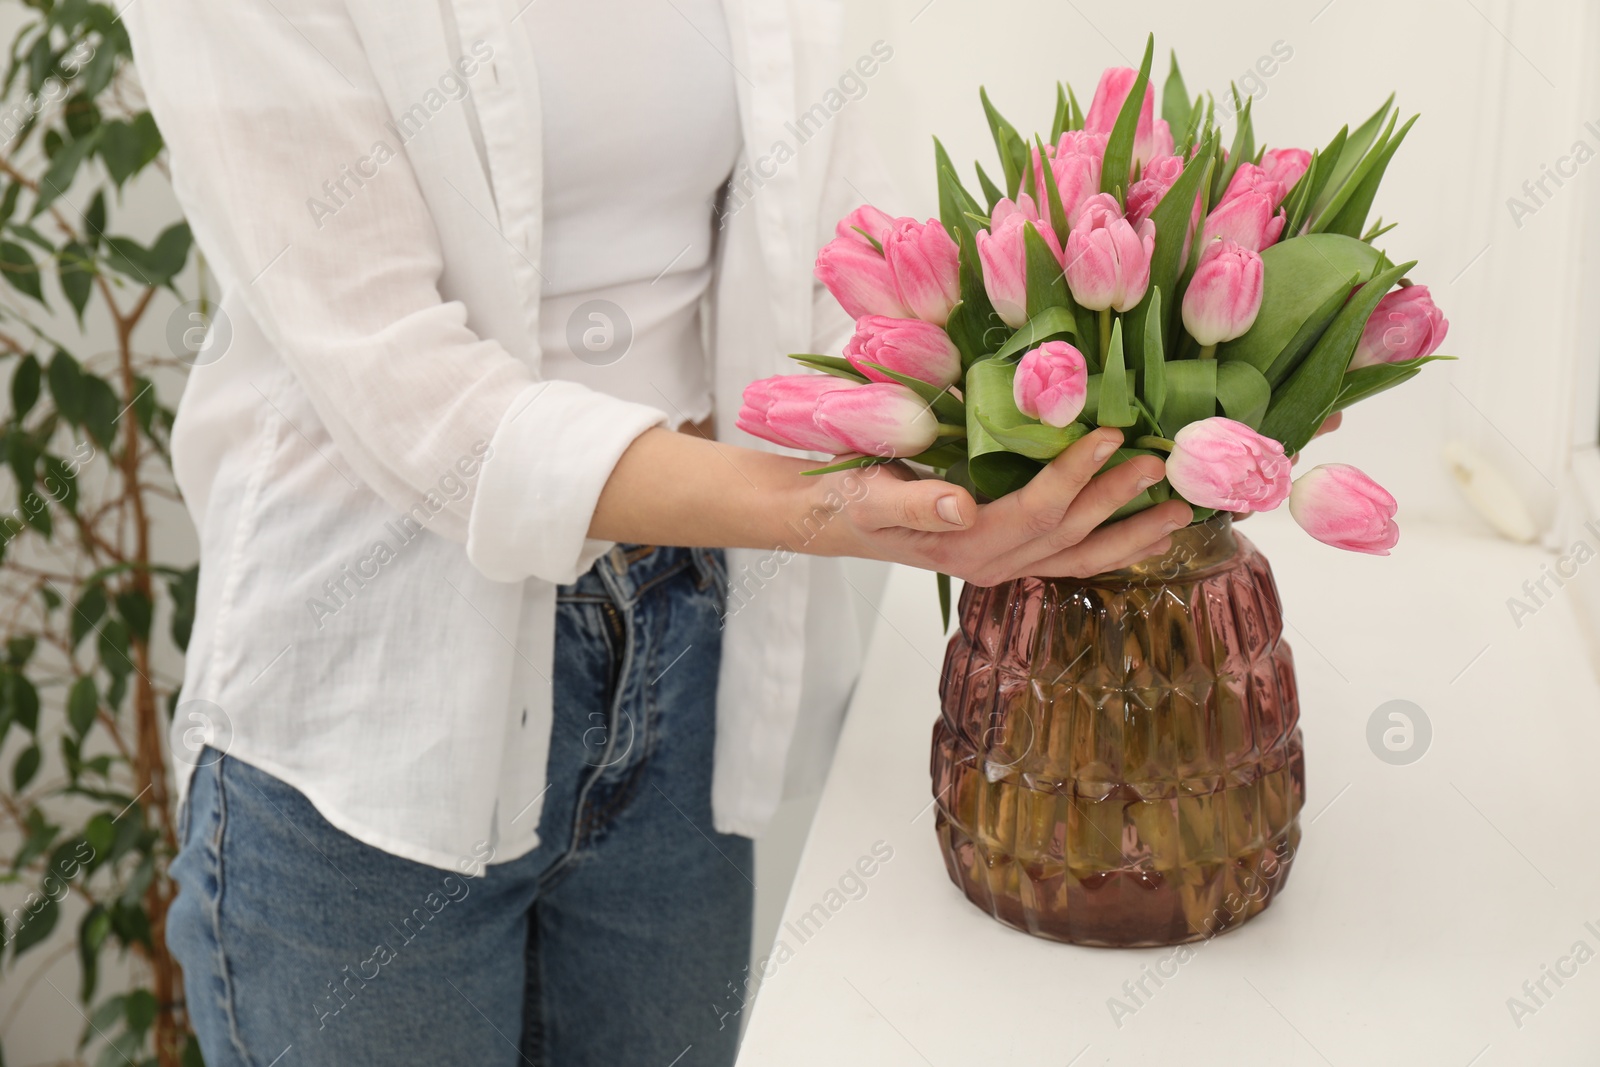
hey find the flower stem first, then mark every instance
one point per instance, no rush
(1105, 333)
(1208, 352)
(947, 429)
(1161, 444)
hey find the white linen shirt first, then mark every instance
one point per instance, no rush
(386, 490)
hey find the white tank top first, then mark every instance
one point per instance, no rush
(641, 130)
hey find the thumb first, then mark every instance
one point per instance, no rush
(929, 504)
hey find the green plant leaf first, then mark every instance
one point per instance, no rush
(24, 387)
(834, 365)
(1119, 146)
(944, 601)
(1153, 373)
(1363, 382)
(1308, 396)
(36, 926)
(1052, 322)
(83, 700)
(1008, 143)
(1343, 187)
(1114, 408)
(1305, 280)
(17, 264)
(1345, 153)
(1191, 393)
(1352, 217)
(992, 193)
(1175, 104)
(58, 178)
(1242, 393)
(75, 269)
(1047, 284)
(992, 407)
(25, 767)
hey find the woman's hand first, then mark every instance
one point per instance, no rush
(1047, 528)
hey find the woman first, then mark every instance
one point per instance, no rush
(494, 754)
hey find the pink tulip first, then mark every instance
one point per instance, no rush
(1250, 178)
(858, 275)
(1246, 212)
(1152, 136)
(1075, 162)
(1152, 187)
(910, 347)
(878, 419)
(1404, 325)
(1002, 252)
(1223, 464)
(1342, 507)
(1224, 296)
(1052, 383)
(1107, 257)
(925, 263)
(868, 220)
(782, 409)
(1286, 165)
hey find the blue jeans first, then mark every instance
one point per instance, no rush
(614, 942)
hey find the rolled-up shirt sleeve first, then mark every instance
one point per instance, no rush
(263, 102)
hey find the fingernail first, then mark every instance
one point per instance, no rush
(1171, 526)
(1147, 481)
(949, 510)
(1104, 449)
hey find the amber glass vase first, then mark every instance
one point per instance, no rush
(1118, 759)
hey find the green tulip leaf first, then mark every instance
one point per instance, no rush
(1009, 143)
(1119, 146)
(1191, 393)
(992, 406)
(1153, 378)
(1305, 280)
(850, 464)
(1309, 394)
(1344, 154)
(1171, 219)
(1052, 322)
(1353, 216)
(1052, 202)
(839, 368)
(1062, 120)
(1114, 408)
(1369, 381)
(1175, 99)
(1244, 146)
(1243, 393)
(991, 192)
(1047, 285)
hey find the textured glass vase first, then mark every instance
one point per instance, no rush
(1118, 760)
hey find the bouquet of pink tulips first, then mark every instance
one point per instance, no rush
(1217, 303)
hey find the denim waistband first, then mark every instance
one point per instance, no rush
(628, 571)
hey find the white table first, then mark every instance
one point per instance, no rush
(1422, 897)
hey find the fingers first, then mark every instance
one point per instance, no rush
(928, 505)
(1118, 545)
(1093, 505)
(1041, 505)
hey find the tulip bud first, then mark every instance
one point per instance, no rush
(910, 347)
(1152, 136)
(858, 275)
(1107, 258)
(1052, 383)
(1003, 255)
(1223, 464)
(1340, 506)
(1245, 214)
(1286, 165)
(1404, 325)
(1250, 178)
(927, 271)
(868, 220)
(878, 419)
(782, 409)
(1075, 162)
(1224, 296)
